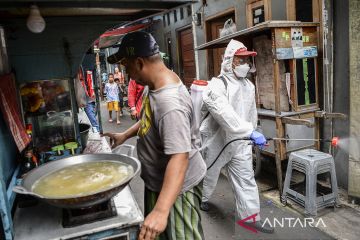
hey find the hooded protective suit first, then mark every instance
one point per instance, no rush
(233, 114)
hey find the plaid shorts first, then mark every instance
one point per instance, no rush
(184, 222)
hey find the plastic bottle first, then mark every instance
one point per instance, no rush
(197, 89)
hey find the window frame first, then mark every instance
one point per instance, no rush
(253, 4)
(291, 10)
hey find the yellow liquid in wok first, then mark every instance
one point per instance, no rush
(82, 179)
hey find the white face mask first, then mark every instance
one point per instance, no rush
(242, 70)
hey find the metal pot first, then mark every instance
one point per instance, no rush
(82, 201)
(84, 129)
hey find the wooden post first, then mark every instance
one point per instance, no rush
(317, 132)
(97, 59)
(96, 88)
(279, 126)
(290, 10)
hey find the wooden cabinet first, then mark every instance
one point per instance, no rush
(287, 108)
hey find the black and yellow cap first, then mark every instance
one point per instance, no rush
(135, 44)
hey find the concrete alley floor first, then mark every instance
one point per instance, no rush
(220, 221)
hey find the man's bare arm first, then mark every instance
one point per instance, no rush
(133, 130)
(117, 139)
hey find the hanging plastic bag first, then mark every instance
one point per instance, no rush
(229, 28)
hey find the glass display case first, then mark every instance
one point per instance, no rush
(48, 115)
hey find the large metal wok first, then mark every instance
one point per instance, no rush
(82, 201)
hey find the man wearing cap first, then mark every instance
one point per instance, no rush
(229, 113)
(172, 167)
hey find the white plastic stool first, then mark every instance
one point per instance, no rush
(311, 163)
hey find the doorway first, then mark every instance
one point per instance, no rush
(213, 27)
(186, 56)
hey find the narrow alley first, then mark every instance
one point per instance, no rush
(220, 222)
(229, 119)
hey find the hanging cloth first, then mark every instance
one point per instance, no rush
(10, 111)
(89, 84)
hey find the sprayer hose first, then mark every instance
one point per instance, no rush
(227, 144)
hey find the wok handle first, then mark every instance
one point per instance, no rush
(130, 149)
(22, 190)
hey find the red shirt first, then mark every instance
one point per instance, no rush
(135, 92)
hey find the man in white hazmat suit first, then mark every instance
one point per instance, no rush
(228, 113)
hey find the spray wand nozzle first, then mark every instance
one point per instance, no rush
(334, 141)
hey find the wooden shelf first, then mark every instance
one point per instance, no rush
(249, 32)
(272, 113)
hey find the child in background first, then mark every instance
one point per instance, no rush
(112, 98)
(121, 95)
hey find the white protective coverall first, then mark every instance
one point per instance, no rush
(232, 115)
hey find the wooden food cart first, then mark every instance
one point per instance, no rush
(286, 83)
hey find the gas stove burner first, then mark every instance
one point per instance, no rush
(76, 217)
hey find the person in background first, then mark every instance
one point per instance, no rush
(90, 106)
(135, 92)
(104, 80)
(112, 98)
(104, 77)
(229, 111)
(121, 95)
(171, 165)
(119, 75)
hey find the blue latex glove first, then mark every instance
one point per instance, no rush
(258, 139)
